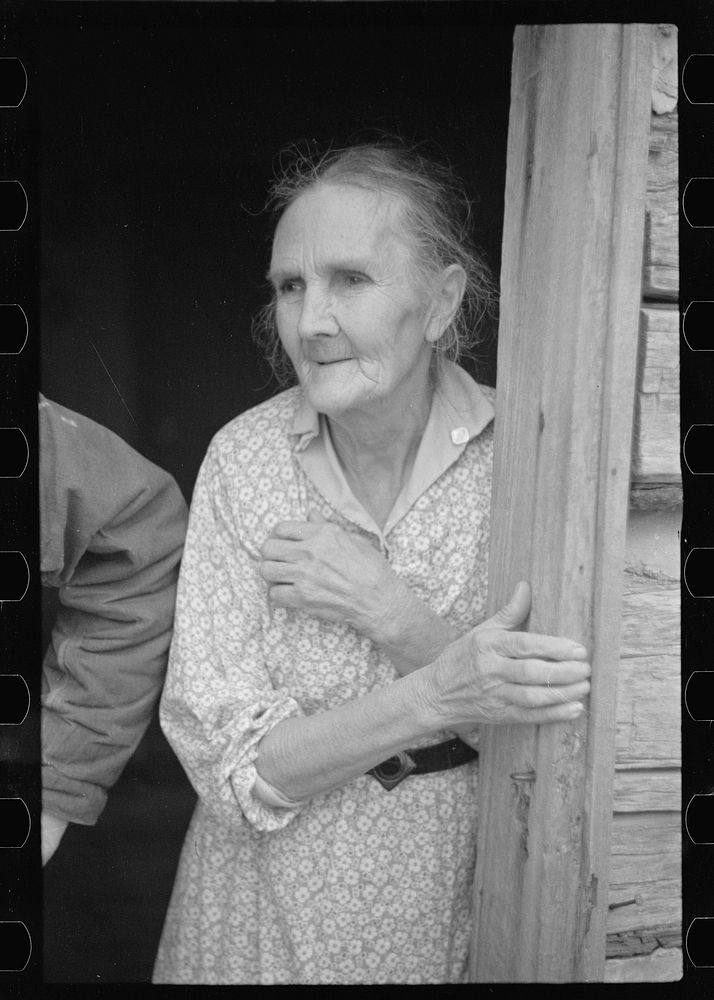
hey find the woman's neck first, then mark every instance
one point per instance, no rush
(377, 451)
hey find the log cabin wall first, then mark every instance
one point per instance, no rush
(644, 919)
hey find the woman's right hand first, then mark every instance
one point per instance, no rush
(496, 674)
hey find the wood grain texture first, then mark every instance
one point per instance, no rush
(656, 449)
(656, 496)
(572, 263)
(658, 901)
(650, 615)
(646, 850)
(644, 941)
(652, 554)
(648, 713)
(645, 867)
(665, 84)
(656, 455)
(647, 790)
(649, 680)
(659, 349)
(663, 966)
(635, 837)
(661, 265)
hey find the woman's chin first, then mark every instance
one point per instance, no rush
(329, 392)
(332, 403)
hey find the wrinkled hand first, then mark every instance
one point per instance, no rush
(330, 573)
(497, 674)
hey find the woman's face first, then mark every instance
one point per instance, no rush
(349, 317)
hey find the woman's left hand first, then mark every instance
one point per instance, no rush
(330, 573)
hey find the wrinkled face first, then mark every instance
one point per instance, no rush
(349, 317)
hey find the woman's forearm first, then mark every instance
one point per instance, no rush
(493, 674)
(306, 756)
(413, 635)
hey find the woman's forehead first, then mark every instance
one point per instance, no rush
(331, 218)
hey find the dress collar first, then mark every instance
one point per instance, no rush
(459, 412)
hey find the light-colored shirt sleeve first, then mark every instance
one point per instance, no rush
(219, 700)
(112, 527)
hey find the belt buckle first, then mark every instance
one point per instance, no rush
(393, 770)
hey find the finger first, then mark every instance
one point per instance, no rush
(532, 671)
(279, 550)
(528, 645)
(515, 612)
(315, 517)
(572, 692)
(539, 716)
(283, 595)
(293, 530)
(528, 696)
(277, 572)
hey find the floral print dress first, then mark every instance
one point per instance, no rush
(358, 885)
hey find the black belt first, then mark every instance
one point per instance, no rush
(422, 760)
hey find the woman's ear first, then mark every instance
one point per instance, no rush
(446, 299)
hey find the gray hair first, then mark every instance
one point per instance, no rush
(435, 223)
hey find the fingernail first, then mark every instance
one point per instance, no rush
(579, 650)
(576, 709)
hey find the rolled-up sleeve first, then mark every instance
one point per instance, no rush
(112, 530)
(219, 701)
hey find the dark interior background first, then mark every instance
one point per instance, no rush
(159, 128)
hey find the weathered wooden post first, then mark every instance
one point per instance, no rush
(570, 296)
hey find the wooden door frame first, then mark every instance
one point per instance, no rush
(570, 296)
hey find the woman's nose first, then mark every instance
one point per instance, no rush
(316, 314)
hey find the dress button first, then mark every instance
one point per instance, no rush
(460, 435)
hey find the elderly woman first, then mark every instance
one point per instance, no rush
(325, 654)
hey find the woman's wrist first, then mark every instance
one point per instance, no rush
(410, 632)
(383, 611)
(443, 706)
(424, 699)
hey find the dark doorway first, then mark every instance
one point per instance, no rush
(160, 124)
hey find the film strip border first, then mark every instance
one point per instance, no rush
(20, 872)
(696, 183)
(20, 649)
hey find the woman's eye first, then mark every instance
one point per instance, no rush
(353, 279)
(290, 286)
